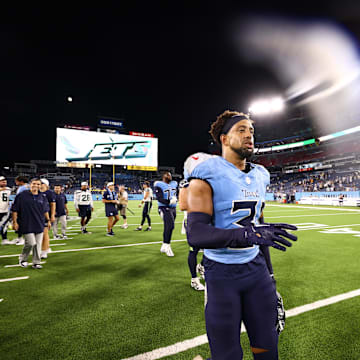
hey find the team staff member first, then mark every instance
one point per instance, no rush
(224, 219)
(147, 201)
(28, 213)
(110, 199)
(50, 196)
(123, 203)
(60, 213)
(83, 203)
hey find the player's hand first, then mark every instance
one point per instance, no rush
(52, 219)
(15, 226)
(271, 235)
(77, 210)
(49, 224)
(173, 200)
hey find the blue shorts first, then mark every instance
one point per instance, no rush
(111, 212)
(240, 292)
(84, 211)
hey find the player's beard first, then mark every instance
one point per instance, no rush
(243, 153)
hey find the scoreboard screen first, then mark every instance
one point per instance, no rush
(77, 147)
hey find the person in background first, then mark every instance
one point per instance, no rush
(50, 197)
(5, 214)
(28, 212)
(22, 183)
(83, 203)
(61, 212)
(110, 199)
(123, 203)
(147, 201)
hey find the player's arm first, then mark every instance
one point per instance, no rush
(183, 193)
(52, 211)
(160, 196)
(76, 200)
(202, 234)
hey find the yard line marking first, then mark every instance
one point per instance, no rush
(18, 265)
(68, 238)
(152, 223)
(202, 339)
(58, 244)
(101, 247)
(312, 207)
(13, 279)
(290, 216)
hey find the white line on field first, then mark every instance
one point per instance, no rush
(100, 247)
(202, 339)
(1, 300)
(58, 244)
(18, 265)
(311, 207)
(295, 216)
(13, 279)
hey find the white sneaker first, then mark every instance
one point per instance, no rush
(125, 226)
(49, 250)
(197, 285)
(163, 247)
(200, 270)
(64, 237)
(19, 241)
(43, 254)
(23, 264)
(6, 242)
(168, 251)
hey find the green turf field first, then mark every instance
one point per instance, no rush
(115, 302)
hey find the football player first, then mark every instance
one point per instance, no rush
(50, 197)
(189, 165)
(5, 214)
(147, 201)
(83, 203)
(110, 199)
(226, 197)
(165, 192)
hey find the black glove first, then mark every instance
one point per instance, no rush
(270, 235)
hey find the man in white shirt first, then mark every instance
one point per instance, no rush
(123, 203)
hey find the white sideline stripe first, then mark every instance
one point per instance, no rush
(68, 238)
(18, 265)
(311, 207)
(97, 226)
(58, 244)
(100, 247)
(202, 339)
(13, 279)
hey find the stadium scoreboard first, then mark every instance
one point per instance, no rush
(75, 148)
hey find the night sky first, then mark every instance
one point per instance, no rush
(168, 70)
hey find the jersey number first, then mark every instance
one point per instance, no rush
(4, 197)
(170, 192)
(250, 207)
(85, 197)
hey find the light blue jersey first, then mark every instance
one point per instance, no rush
(238, 200)
(22, 188)
(167, 191)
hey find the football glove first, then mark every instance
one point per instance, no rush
(270, 235)
(280, 323)
(183, 184)
(173, 200)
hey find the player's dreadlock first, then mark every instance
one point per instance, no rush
(218, 125)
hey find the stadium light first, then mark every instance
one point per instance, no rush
(267, 106)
